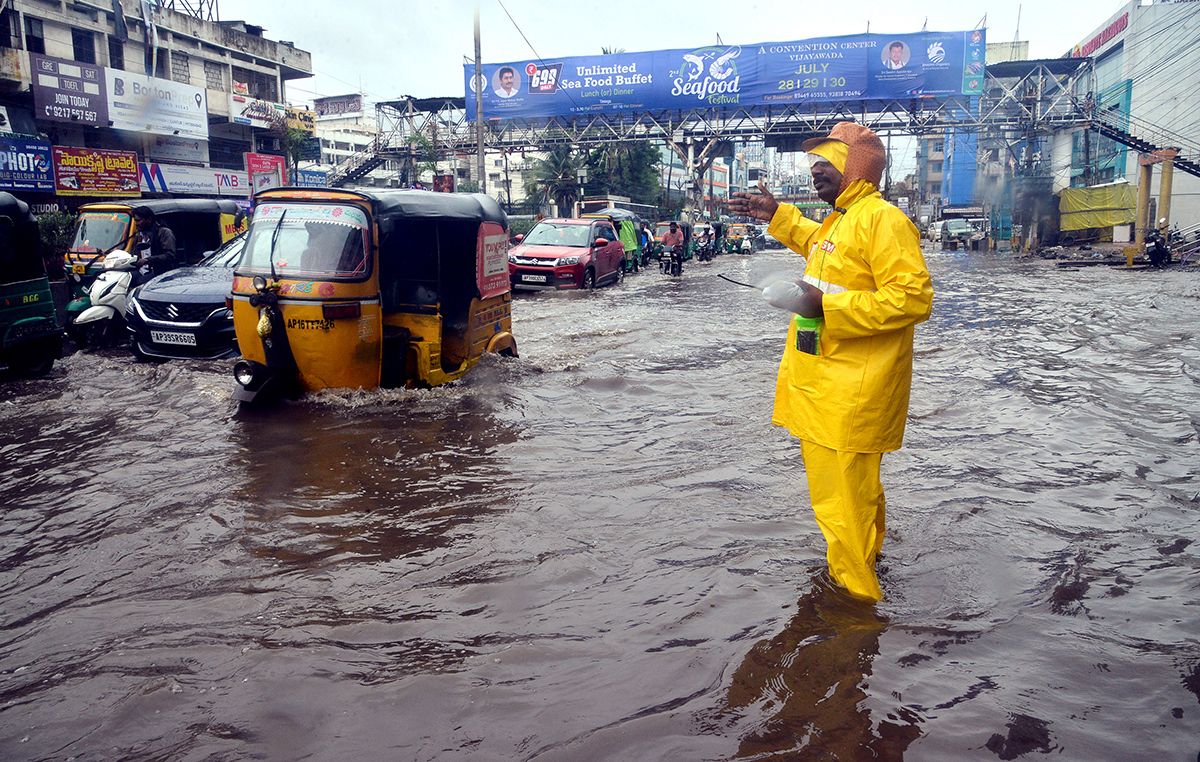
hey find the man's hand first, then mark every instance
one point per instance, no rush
(798, 297)
(810, 301)
(761, 206)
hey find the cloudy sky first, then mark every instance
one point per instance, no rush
(387, 49)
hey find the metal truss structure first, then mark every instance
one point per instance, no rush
(1021, 101)
(205, 10)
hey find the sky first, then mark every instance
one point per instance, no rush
(387, 49)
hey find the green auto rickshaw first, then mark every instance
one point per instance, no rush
(30, 336)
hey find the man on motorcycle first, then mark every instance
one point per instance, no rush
(153, 243)
(672, 243)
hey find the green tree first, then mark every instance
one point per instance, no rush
(626, 169)
(57, 231)
(554, 179)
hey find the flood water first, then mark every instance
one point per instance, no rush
(603, 550)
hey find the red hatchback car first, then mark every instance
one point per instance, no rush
(567, 253)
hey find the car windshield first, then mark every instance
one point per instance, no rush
(100, 231)
(310, 240)
(226, 256)
(556, 234)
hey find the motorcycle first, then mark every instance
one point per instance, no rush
(705, 252)
(672, 264)
(102, 323)
(1157, 248)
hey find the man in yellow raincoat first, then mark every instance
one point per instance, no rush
(844, 381)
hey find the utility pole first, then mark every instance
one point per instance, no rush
(479, 107)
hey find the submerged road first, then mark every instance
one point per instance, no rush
(603, 550)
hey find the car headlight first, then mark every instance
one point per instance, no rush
(567, 261)
(512, 258)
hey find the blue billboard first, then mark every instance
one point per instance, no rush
(310, 178)
(25, 165)
(821, 70)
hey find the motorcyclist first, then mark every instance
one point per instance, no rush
(153, 243)
(672, 242)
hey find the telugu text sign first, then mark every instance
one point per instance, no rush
(95, 172)
(855, 67)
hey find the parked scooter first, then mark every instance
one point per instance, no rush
(1157, 248)
(102, 324)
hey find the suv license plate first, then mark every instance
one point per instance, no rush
(534, 278)
(167, 337)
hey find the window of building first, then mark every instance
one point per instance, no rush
(10, 29)
(340, 146)
(35, 41)
(181, 69)
(258, 85)
(84, 44)
(939, 147)
(935, 166)
(214, 75)
(116, 53)
(156, 67)
(935, 189)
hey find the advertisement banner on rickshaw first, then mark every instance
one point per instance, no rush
(491, 266)
(854, 67)
(95, 172)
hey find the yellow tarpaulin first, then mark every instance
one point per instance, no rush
(1108, 205)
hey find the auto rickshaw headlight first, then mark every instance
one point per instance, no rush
(259, 283)
(243, 373)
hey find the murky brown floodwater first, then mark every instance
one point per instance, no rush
(603, 550)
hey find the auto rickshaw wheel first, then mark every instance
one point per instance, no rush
(32, 359)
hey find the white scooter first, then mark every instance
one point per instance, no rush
(747, 246)
(103, 323)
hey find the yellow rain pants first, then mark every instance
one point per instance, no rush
(847, 499)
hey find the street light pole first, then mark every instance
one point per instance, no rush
(479, 107)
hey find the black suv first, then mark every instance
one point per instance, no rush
(182, 313)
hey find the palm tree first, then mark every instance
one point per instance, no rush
(555, 177)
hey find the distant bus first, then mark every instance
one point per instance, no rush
(593, 204)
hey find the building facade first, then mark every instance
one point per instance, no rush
(108, 102)
(1147, 71)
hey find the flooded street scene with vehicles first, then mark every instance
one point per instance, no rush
(482, 383)
(603, 550)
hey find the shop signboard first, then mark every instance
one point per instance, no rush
(25, 165)
(169, 148)
(338, 104)
(158, 106)
(265, 171)
(261, 114)
(198, 181)
(300, 119)
(95, 172)
(66, 91)
(311, 178)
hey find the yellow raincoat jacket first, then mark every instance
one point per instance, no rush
(853, 397)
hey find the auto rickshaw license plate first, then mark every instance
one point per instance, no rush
(79, 269)
(168, 337)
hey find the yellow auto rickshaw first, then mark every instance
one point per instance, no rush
(200, 226)
(361, 289)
